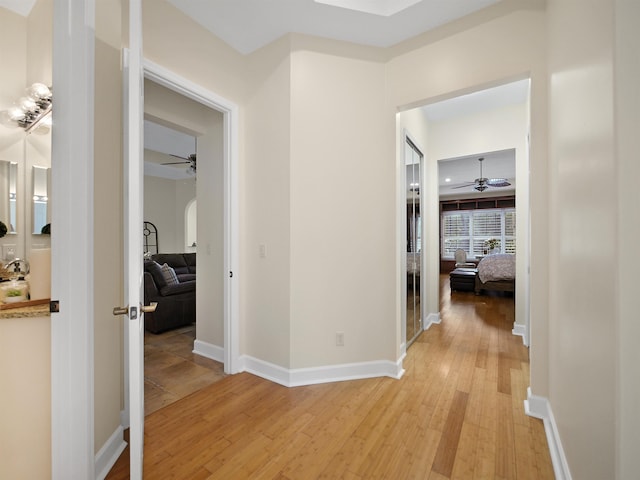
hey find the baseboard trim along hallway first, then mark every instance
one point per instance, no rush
(329, 373)
(539, 407)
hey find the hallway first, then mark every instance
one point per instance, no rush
(456, 414)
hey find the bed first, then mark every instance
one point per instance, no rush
(496, 273)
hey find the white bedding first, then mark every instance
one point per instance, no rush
(500, 266)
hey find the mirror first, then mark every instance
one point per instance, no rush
(41, 188)
(8, 194)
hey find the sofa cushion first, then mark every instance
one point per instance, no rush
(155, 270)
(169, 275)
(174, 260)
(178, 288)
(186, 277)
(190, 260)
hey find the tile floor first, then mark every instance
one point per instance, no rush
(171, 369)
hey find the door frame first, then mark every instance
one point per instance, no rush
(229, 110)
(72, 334)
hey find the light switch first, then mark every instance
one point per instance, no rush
(262, 250)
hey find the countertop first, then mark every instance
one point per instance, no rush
(26, 312)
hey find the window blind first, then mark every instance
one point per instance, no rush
(469, 229)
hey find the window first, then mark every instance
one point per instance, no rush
(469, 229)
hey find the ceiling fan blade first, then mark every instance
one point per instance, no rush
(178, 156)
(498, 182)
(175, 163)
(464, 185)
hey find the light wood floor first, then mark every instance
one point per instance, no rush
(171, 369)
(456, 414)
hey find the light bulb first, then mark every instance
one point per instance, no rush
(28, 105)
(39, 91)
(16, 114)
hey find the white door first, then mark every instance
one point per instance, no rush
(133, 198)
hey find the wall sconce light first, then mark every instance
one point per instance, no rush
(32, 110)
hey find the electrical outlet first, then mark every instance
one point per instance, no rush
(339, 339)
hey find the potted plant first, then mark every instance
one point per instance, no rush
(491, 244)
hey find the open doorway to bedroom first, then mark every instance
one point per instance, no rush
(492, 125)
(181, 151)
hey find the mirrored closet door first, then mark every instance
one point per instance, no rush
(413, 167)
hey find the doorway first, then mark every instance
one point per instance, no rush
(179, 155)
(218, 342)
(491, 120)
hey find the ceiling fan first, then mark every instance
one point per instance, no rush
(191, 160)
(482, 183)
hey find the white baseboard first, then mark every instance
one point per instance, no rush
(539, 407)
(432, 319)
(330, 373)
(109, 453)
(520, 331)
(214, 352)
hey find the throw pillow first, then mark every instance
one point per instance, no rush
(169, 275)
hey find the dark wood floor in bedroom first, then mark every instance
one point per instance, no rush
(456, 414)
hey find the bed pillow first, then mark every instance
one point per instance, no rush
(169, 275)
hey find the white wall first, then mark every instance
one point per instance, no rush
(627, 71)
(265, 213)
(165, 201)
(210, 232)
(584, 225)
(343, 208)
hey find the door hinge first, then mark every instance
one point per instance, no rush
(230, 274)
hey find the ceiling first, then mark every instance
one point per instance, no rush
(464, 170)
(22, 7)
(248, 25)
(514, 93)
(165, 145)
